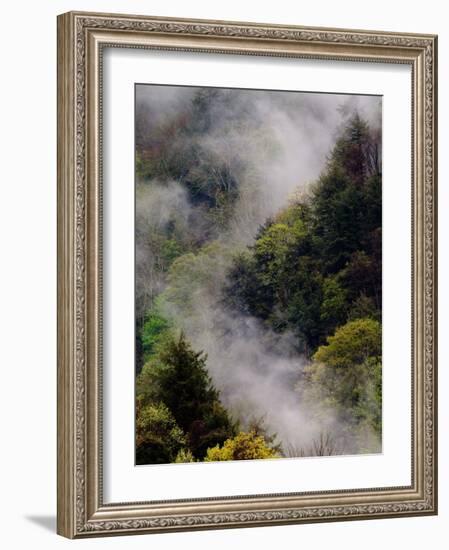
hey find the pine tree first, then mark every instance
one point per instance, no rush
(177, 376)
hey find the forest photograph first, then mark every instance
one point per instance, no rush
(258, 274)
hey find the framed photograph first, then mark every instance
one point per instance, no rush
(246, 274)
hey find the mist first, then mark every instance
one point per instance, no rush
(274, 144)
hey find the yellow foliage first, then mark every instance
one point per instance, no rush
(244, 446)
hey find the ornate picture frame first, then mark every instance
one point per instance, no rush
(82, 38)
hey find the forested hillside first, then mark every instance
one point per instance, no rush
(258, 275)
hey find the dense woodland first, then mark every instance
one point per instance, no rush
(258, 332)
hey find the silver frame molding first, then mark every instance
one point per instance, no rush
(81, 38)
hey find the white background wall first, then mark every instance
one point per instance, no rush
(28, 272)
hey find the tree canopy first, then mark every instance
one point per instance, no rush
(244, 446)
(176, 376)
(311, 274)
(318, 263)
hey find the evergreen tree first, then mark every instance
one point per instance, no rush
(318, 263)
(177, 377)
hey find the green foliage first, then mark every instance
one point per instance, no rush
(278, 280)
(314, 271)
(369, 407)
(177, 376)
(171, 249)
(364, 307)
(197, 275)
(335, 302)
(154, 329)
(158, 437)
(356, 151)
(338, 214)
(243, 292)
(244, 446)
(318, 264)
(143, 166)
(184, 456)
(352, 344)
(346, 374)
